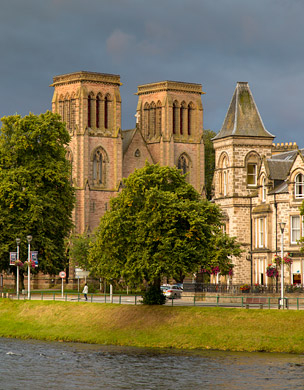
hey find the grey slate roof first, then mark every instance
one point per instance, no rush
(279, 169)
(243, 118)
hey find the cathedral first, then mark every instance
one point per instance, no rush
(169, 131)
(257, 184)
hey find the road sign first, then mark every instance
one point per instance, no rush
(34, 257)
(13, 258)
(62, 274)
(79, 273)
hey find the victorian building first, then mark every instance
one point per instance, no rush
(258, 185)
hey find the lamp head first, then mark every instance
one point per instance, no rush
(282, 226)
(18, 241)
(29, 239)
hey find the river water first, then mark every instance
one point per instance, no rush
(51, 365)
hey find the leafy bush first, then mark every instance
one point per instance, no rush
(153, 296)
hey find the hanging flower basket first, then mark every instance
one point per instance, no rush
(287, 260)
(271, 271)
(277, 259)
(18, 263)
(30, 263)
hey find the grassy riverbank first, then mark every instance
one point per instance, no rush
(160, 327)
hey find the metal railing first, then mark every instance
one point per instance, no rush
(231, 301)
(237, 289)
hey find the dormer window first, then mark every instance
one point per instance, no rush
(299, 186)
(251, 174)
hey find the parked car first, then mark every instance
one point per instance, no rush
(172, 291)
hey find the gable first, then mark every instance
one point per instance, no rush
(136, 153)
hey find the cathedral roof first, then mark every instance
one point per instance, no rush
(243, 118)
(127, 136)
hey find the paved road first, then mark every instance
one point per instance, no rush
(230, 302)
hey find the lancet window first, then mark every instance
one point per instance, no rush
(99, 167)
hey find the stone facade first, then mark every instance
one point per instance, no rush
(258, 185)
(169, 131)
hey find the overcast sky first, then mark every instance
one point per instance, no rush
(212, 42)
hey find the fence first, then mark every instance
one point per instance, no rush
(237, 289)
(231, 301)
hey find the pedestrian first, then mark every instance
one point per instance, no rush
(85, 292)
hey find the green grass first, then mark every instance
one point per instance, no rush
(155, 326)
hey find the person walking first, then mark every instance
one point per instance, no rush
(85, 291)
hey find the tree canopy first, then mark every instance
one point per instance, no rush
(36, 196)
(159, 227)
(209, 161)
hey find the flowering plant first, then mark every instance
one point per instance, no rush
(215, 270)
(271, 271)
(245, 287)
(18, 263)
(30, 263)
(277, 259)
(287, 259)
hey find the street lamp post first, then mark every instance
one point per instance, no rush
(282, 227)
(18, 243)
(29, 239)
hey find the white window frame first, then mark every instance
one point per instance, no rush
(299, 186)
(252, 175)
(295, 231)
(260, 232)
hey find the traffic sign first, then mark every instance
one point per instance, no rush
(62, 274)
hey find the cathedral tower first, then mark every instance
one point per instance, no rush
(90, 105)
(170, 117)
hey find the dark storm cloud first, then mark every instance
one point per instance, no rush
(213, 42)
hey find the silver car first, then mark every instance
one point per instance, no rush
(172, 291)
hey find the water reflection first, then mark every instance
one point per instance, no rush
(41, 365)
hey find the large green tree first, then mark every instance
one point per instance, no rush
(159, 227)
(209, 161)
(36, 196)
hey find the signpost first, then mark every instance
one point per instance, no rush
(13, 258)
(62, 274)
(34, 257)
(80, 273)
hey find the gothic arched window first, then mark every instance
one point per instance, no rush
(69, 158)
(158, 118)
(90, 110)
(190, 118)
(175, 119)
(73, 112)
(98, 104)
(183, 164)
(152, 118)
(106, 111)
(61, 107)
(99, 167)
(146, 119)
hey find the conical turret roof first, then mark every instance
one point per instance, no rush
(243, 117)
